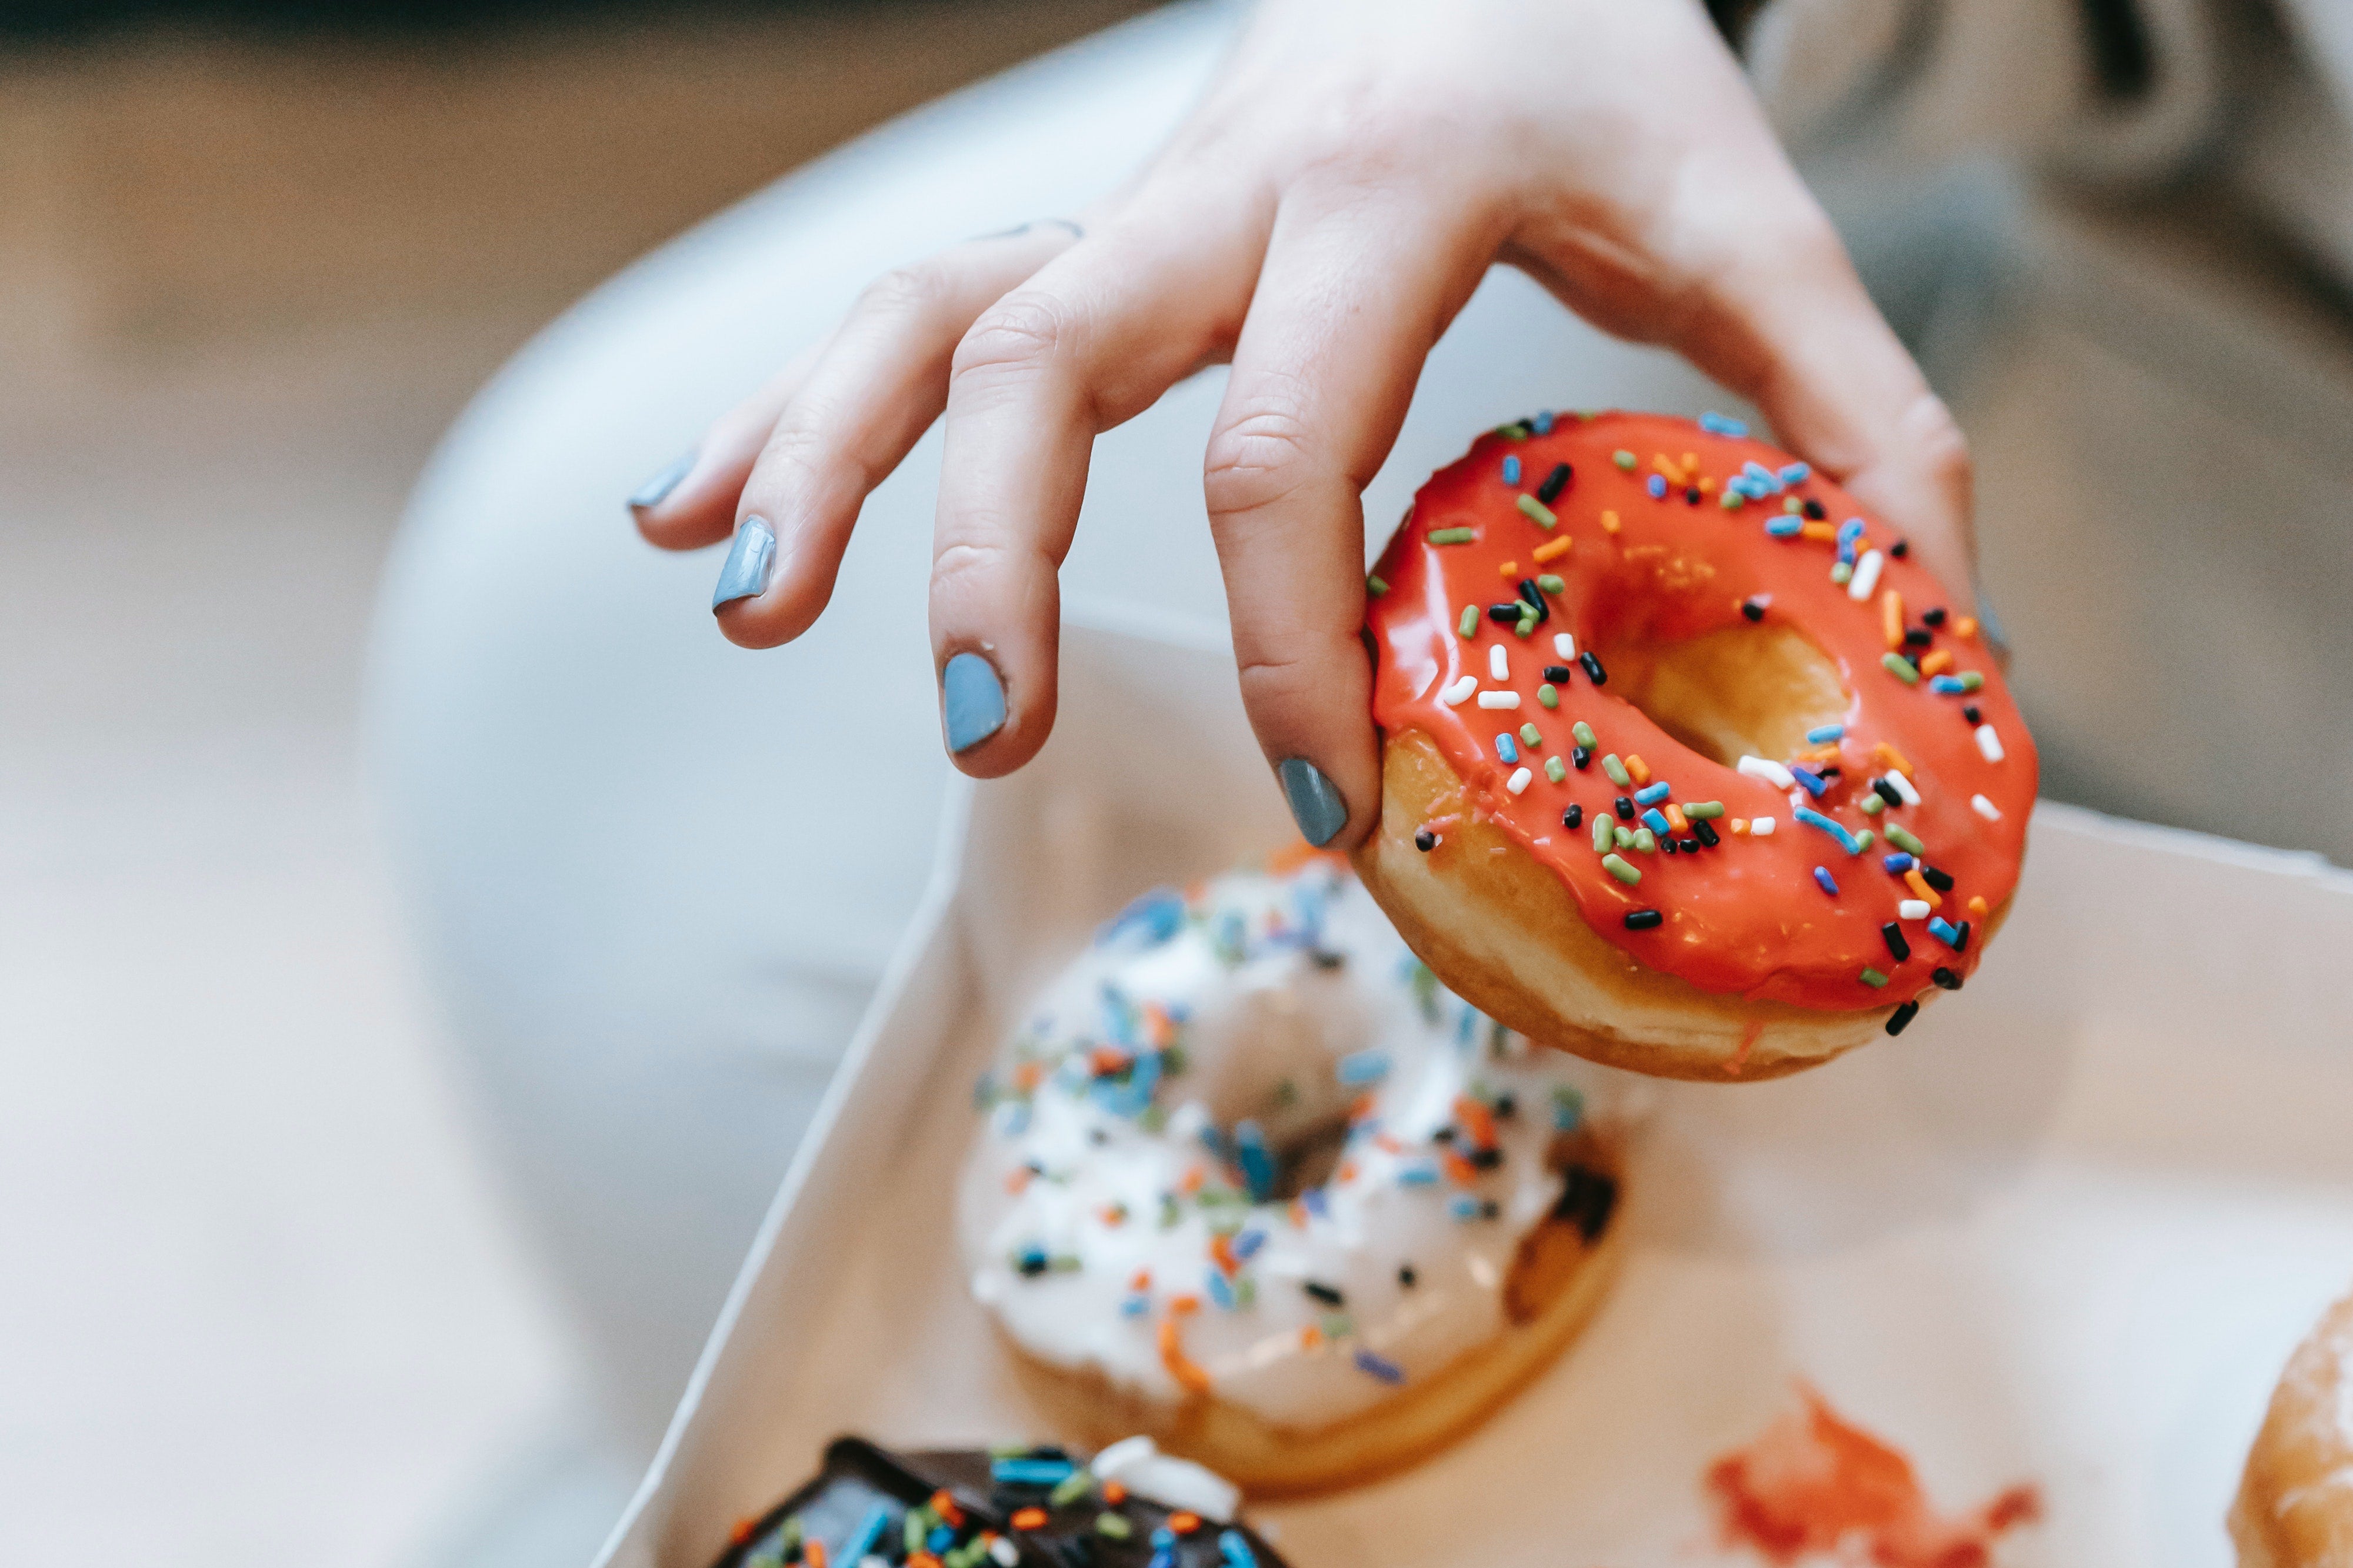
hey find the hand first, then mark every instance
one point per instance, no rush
(1320, 219)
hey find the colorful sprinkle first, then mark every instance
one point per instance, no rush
(1452, 535)
(1536, 511)
(1619, 868)
(1825, 881)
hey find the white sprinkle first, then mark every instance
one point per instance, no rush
(1771, 773)
(1457, 694)
(1912, 909)
(1004, 1553)
(1988, 744)
(1566, 646)
(1760, 828)
(1866, 575)
(1499, 667)
(1499, 700)
(1520, 780)
(1985, 809)
(1904, 788)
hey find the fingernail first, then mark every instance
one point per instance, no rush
(745, 575)
(973, 699)
(1315, 806)
(656, 491)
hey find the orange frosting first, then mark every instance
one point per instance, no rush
(1747, 915)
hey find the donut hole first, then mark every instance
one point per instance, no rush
(1741, 690)
(1308, 1159)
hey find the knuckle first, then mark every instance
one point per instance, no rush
(1024, 331)
(914, 289)
(1256, 460)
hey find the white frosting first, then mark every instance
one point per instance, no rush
(1112, 1153)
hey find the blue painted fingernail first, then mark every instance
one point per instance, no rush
(973, 699)
(751, 560)
(656, 491)
(1315, 806)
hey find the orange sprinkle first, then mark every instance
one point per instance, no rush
(1114, 1493)
(1938, 662)
(1182, 1305)
(1361, 1106)
(1706, 485)
(1610, 523)
(924, 1560)
(1028, 1074)
(1638, 768)
(1286, 860)
(1190, 1181)
(1460, 1171)
(1310, 1337)
(1187, 1374)
(742, 1532)
(1222, 1252)
(813, 1553)
(1386, 1143)
(1184, 1523)
(1691, 462)
(1921, 890)
(1674, 475)
(1157, 1023)
(1890, 757)
(1978, 905)
(946, 1507)
(1554, 549)
(1347, 1172)
(1033, 1518)
(1107, 1059)
(1140, 1280)
(1017, 1180)
(1891, 617)
(1967, 626)
(1739, 823)
(1298, 1213)
(1824, 532)
(1675, 818)
(1476, 1119)
(1113, 1214)
(1509, 569)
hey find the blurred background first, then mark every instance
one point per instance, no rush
(264, 1300)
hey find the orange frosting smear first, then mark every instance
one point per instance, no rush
(1746, 916)
(1814, 1483)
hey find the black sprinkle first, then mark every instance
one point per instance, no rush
(1624, 807)
(1752, 609)
(1323, 1293)
(1947, 979)
(1556, 673)
(1961, 937)
(1573, 817)
(1644, 920)
(1406, 1275)
(1941, 880)
(1554, 483)
(1505, 1106)
(1688, 846)
(1326, 959)
(1886, 791)
(1691, 495)
(1705, 831)
(1486, 1159)
(1580, 757)
(1935, 617)
(1667, 846)
(1533, 596)
(1892, 934)
(1491, 1209)
(1593, 671)
(1900, 549)
(1444, 1135)
(1918, 636)
(1814, 512)
(1032, 1265)
(1508, 613)
(1903, 1016)
(1425, 840)
(1972, 715)
(1586, 1198)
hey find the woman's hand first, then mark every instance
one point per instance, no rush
(1319, 219)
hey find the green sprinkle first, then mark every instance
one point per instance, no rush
(1863, 840)
(1547, 695)
(920, 1521)
(1537, 513)
(1873, 978)
(1527, 624)
(1337, 1325)
(1793, 506)
(1469, 625)
(1584, 733)
(1452, 535)
(1376, 587)
(1605, 832)
(1530, 735)
(1871, 805)
(1550, 584)
(1114, 1525)
(1619, 836)
(1902, 668)
(1623, 459)
(1702, 810)
(1555, 769)
(1970, 679)
(1620, 869)
(1513, 432)
(1842, 572)
(1902, 838)
(1245, 1291)
(1646, 841)
(1733, 501)
(1616, 772)
(1071, 1487)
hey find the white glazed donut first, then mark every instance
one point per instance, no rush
(1252, 1181)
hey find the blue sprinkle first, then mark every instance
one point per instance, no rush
(1257, 1165)
(1220, 1291)
(1658, 487)
(1651, 794)
(1824, 880)
(1163, 1558)
(1463, 1208)
(1898, 864)
(1247, 1243)
(1237, 1550)
(1511, 471)
(1795, 474)
(1812, 818)
(1030, 1472)
(1815, 784)
(1506, 749)
(1947, 685)
(1656, 821)
(878, 1520)
(1135, 1306)
(1315, 1204)
(1163, 1536)
(1786, 526)
(1722, 424)
(942, 1537)
(1944, 931)
(1846, 553)
(1823, 733)
(1368, 1066)
(1417, 1176)
(1850, 531)
(1156, 916)
(1387, 1371)
(1542, 422)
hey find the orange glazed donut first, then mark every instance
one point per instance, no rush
(1685, 768)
